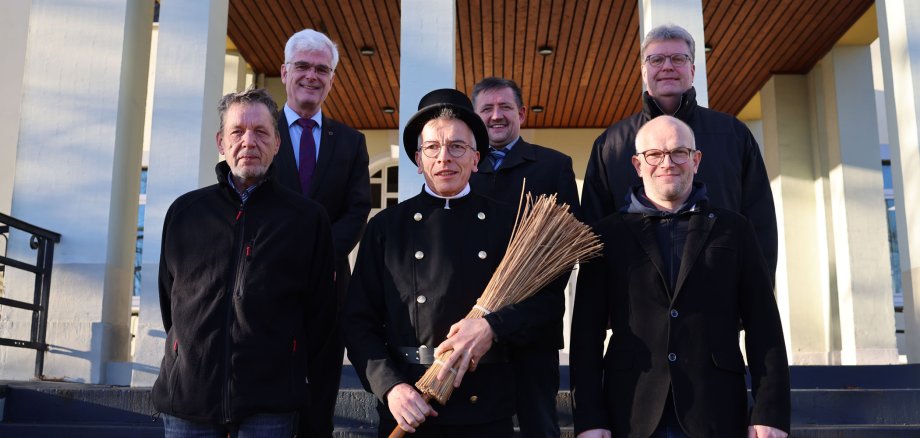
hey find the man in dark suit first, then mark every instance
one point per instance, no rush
(675, 279)
(327, 162)
(499, 104)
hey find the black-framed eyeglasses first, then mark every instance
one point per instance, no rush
(678, 156)
(677, 59)
(304, 67)
(455, 149)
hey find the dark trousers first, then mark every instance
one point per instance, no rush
(669, 425)
(497, 429)
(536, 383)
(316, 417)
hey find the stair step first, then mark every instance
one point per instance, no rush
(83, 430)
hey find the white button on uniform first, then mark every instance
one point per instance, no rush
(419, 255)
(421, 299)
(417, 217)
(481, 216)
(482, 255)
(673, 313)
(672, 357)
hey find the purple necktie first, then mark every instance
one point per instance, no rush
(307, 154)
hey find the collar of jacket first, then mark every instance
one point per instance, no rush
(441, 202)
(222, 169)
(687, 105)
(638, 203)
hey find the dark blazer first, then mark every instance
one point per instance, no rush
(547, 171)
(688, 342)
(341, 184)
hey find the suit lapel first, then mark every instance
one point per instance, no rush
(284, 162)
(521, 152)
(645, 232)
(327, 146)
(697, 235)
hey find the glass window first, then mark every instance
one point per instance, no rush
(375, 195)
(393, 179)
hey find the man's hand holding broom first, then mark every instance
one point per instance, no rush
(470, 339)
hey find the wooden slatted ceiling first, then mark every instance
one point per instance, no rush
(591, 79)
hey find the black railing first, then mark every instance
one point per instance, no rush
(43, 241)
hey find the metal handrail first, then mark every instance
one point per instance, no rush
(43, 241)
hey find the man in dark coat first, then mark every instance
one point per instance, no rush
(329, 166)
(675, 279)
(246, 283)
(421, 266)
(512, 161)
(733, 171)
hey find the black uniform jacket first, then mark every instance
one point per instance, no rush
(246, 295)
(547, 171)
(340, 184)
(688, 343)
(732, 168)
(420, 269)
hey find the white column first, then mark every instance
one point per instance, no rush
(77, 173)
(687, 14)
(234, 73)
(188, 85)
(861, 258)
(788, 153)
(427, 59)
(15, 24)
(899, 35)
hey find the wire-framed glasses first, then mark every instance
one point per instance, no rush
(677, 59)
(455, 149)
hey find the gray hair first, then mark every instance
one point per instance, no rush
(446, 113)
(248, 97)
(667, 32)
(311, 40)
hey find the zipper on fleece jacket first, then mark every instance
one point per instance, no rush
(235, 284)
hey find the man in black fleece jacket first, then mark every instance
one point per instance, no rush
(246, 289)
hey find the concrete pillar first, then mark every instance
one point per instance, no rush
(899, 35)
(77, 173)
(234, 73)
(15, 24)
(188, 85)
(427, 60)
(788, 154)
(861, 258)
(689, 15)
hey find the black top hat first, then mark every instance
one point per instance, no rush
(429, 108)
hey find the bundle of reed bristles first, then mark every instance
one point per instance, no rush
(547, 241)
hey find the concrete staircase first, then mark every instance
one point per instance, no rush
(858, 401)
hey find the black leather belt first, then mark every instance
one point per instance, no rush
(425, 355)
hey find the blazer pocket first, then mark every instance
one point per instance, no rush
(728, 361)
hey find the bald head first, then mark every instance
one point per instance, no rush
(662, 125)
(666, 159)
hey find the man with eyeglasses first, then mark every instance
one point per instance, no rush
(734, 171)
(325, 161)
(676, 276)
(421, 266)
